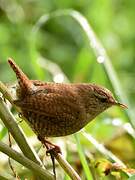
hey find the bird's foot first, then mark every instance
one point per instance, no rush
(52, 148)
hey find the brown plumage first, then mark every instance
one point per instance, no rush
(55, 109)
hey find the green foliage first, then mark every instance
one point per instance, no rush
(63, 42)
(132, 177)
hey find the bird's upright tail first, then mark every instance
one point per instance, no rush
(25, 84)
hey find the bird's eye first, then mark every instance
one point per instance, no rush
(101, 97)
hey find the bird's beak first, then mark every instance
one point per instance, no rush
(121, 105)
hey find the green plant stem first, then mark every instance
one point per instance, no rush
(44, 174)
(4, 90)
(3, 178)
(83, 159)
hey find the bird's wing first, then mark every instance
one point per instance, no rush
(52, 105)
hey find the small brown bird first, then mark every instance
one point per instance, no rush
(56, 109)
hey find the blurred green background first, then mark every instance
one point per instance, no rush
(59, 51)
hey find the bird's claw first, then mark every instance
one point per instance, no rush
(55, 149)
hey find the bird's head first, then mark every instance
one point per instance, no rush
(104, 98)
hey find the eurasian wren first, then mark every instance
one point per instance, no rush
(59, 109)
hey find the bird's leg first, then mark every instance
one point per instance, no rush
(50, 146)
(51, 149)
